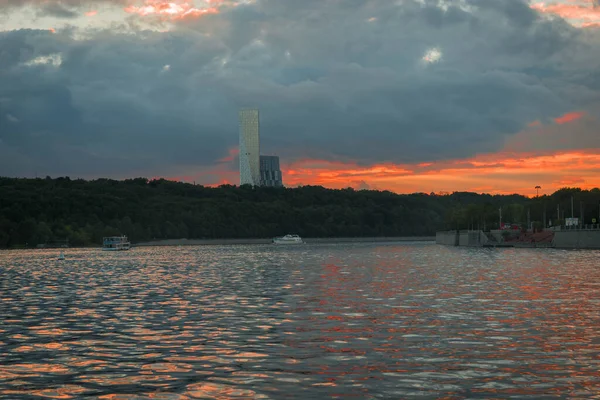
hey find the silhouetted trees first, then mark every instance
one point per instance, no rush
(34, 211)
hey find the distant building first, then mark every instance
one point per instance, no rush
(249, 147)
(270, 174)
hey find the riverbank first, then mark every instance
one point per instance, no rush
(586, 237)
(197, 242)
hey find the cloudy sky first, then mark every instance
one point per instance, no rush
(409, 95)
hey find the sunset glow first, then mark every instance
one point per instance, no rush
(582, 13)
(491, 96)
(499, 173)
(233, 153)
(173, 10)
(569, 117)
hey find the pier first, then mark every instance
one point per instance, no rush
(566, 237)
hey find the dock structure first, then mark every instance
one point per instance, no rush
(580, 237)
(57, 244)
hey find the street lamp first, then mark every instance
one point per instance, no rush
(537, 188)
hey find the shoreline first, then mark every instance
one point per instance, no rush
(196, 242)
(582, 238)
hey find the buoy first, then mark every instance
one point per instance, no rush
(61, 256)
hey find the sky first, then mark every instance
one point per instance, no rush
(495, 96)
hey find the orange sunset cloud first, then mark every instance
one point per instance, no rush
(499, 173)
(554, 155)
(233, 153)
(504, 172)
(569, 117)
(581, 12)
(173, 10)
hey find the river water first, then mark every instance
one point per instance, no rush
(399, 320)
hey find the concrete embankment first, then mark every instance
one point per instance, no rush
(196, 242)
(560, 239)
(577, 239)
(461, 238)
(448, 238)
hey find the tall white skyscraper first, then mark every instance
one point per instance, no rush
(249, 147)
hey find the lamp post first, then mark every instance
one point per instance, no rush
(537, 195)
(500, 223)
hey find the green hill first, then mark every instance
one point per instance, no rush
(34, 211)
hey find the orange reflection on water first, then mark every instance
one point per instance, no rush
(6, 374)
(118, 379)
(48, 332)
(151, 355)
(80, 312)
(64, 392)
(53, 346)
(378, 321)
(86, 363)
(166, 367)
(330, 384)
(250, 374)
(41, 368)
(23, 349)
(18, 336)
(220, 391)
(15, 392)
(154, 395)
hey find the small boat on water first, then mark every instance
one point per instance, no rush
(288, 239)
(115, 243)
(61, 256)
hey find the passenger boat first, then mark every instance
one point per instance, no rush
(288, 239)
(116, 243)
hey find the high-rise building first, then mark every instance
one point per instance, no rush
(249, 147)
(270, 174)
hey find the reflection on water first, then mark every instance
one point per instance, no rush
(352, 320)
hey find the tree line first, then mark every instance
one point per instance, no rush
(38, 211)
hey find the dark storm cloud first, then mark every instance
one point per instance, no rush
(337, 80)
(111, 102)
(56, 10)
(65, 4)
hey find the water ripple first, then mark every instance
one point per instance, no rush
(362, 320)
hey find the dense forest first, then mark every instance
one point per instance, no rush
(38, 211)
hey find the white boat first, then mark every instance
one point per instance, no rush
(288, 239)
(116, 243)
